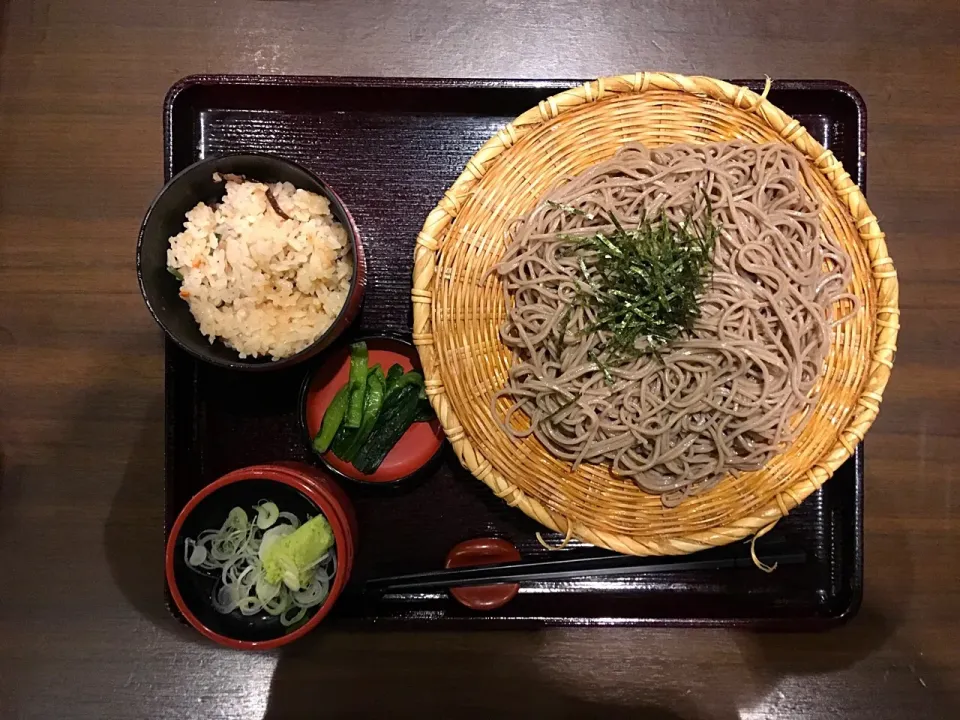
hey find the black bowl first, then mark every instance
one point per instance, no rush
(165, 218)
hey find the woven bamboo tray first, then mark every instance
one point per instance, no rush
(456, 315)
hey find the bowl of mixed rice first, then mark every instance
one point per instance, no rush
(250, 262)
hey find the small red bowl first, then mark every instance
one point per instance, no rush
(298, 488)
(420, 445)
(483, 551)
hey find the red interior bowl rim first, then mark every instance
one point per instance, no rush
(304, 425)
(297, 481)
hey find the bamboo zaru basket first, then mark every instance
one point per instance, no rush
(458, 313)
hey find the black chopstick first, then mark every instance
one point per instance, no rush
(564, 569)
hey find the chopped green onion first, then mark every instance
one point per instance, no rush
(234, 554)
(267, 514)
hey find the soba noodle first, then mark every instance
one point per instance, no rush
(725, 396)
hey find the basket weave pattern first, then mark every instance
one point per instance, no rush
(458, 312)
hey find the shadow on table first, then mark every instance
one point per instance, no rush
(133, 532)
(771, 656)
(906, 679)
(440, 674)
(903, 684)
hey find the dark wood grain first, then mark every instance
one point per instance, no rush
(84, 632)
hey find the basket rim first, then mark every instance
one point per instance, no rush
(849, 195)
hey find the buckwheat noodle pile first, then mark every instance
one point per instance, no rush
(726, 395)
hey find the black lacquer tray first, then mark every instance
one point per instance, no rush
(390, 147)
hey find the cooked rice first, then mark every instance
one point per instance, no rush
(262, 284)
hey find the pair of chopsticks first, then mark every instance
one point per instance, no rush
(566, 569)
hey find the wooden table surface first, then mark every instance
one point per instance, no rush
(83, 630)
